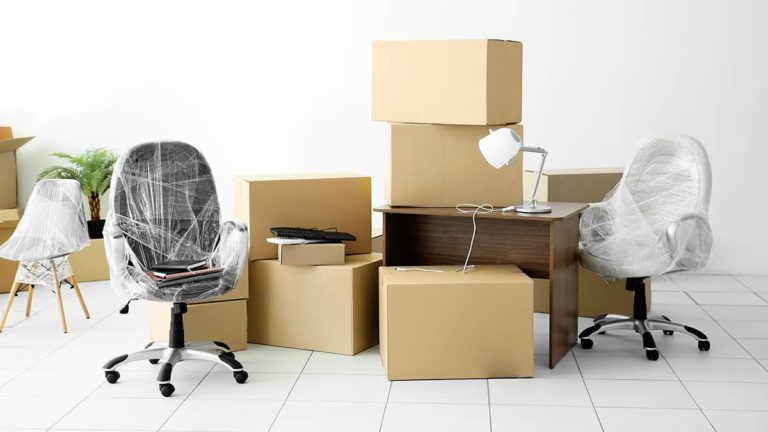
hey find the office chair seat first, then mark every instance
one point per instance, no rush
(653, 222)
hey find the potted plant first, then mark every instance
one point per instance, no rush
(93, 169)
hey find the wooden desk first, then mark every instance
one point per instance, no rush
(542, 245)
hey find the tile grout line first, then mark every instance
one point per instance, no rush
(687, 391)
(386, 404)
(584, 381)
(213, 366)
(488, 389)
(298, 377)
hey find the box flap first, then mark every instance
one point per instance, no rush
(452, 274)
(10, 218)
(6, 132)
(13, 144)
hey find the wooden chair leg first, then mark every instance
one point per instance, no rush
(79, 295)
(57, 288)
(11, 295)
(30, 291)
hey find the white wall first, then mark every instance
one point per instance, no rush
(285, 86)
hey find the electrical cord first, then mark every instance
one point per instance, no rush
(475, 209)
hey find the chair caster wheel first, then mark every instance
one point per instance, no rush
(240, 376)
(154, 361)
(167, 389)
(587, 343)
(652, 355)
(112, 376)
(704, 345)
(668, 332)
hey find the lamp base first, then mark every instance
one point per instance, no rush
(533, 209)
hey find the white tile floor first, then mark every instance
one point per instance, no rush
(53, 381)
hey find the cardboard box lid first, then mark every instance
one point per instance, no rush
(352, 262)
(10, 218)
(449, 276)
(8, 142)
(296, 176)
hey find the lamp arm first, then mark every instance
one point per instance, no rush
(543, 153)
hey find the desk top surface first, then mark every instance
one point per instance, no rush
(560, 211)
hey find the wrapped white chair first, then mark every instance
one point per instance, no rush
(52, 227)
(165, 207)
(653, 222)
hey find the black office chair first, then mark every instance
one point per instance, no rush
(653, 222)
(165, 207)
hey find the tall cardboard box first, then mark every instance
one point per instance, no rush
(341, 201)
(8, 184)
(321, 308)
(90, 264)
(471, 82)
(8, 221)
(441, 166)
(452, 325)
(588, 185)
(224, 321)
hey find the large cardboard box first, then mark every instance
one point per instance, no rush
(377, 242)
(441, 166)
(223, 321)
(451, 324)
(8, 221)
(341, 201)
(588, 185)
(311, 254)
(8, 184)
(471, 82)
(90, 264)
(321, 308)
(239, 292)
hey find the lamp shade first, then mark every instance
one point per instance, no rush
(500, 146)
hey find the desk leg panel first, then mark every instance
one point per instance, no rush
(564, 288)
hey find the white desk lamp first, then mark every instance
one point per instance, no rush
(498, 148)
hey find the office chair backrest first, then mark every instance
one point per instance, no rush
(669, 177)
(53, 224)
(165, 203)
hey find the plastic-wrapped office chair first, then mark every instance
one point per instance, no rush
(165, 207)
(653, 222)
(52, 227)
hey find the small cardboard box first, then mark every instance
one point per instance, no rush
(223, 321)
(8, 221)
(8, 185)
(452, 325)
(311, 254)
(585, 185)
(321, 308)
(341, 201)
(90, 264)
(470, 82)
(441, 166)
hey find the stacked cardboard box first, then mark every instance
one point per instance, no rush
(310, 300)
(589, 185)
(9, 211)
(441, 98)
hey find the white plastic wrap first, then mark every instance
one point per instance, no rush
(52, 227)
(165, 207)
(655, 220)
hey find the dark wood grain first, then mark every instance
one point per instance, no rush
(560, 211)
(413, 239)
(563, 288)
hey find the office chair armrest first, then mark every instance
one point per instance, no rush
(595, 223)
(232, 250)
(689, 240)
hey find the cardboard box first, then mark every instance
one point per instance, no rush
(341, 201)
(470, 82)
(311, 254)
(8, 221)
(441, 166)
(239, 292)
(596, 296)
(8, 184)
(223, 321)
(586, 185)
(321, 308)
(377, 242)
(90, 264)
(455, 325)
